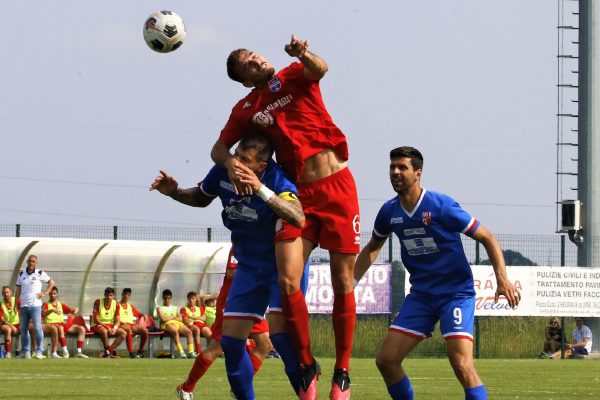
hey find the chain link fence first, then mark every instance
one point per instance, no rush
(493, 333)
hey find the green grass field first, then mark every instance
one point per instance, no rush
(156, 379)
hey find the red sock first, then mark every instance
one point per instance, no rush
(106, 347)
(62, 341)
(344, 315)
(111, 348)
(222, 297)
(7, 344)
(80, 344)
(129, 339)
(143, 341)
(296, 320)
(198, 348)
(256, 362)
(199, 368)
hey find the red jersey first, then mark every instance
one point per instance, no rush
(184, 313)
(65, 308)
(291, 113)
(97, 307)
(17, 305)
(134, 310)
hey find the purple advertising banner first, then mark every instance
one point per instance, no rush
(373, 293)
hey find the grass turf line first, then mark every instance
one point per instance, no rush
(156, 379)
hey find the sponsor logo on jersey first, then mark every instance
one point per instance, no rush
(415, 231)
(420, 246)
(237, 210)
(275, 85)
(226, 185)
(426, 217)
(246, 105)
(263, 119)
(396, 220)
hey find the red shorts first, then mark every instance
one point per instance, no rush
(285, 231)
(200, 324)
(96, 329)
(260, 327)
(217, 328)
(60, 324)
(332, 215)
(128, 324)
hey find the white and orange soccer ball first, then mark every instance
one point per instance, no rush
(164, 31)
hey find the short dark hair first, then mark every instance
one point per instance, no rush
(167, 292)
(416, 158)
(232, 62)
(191, 294)
(127, 290)
(109, 290)
(54, 288)
(259, 142)
(5, 287)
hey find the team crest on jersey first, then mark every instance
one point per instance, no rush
(278, 225)
(263, 119)
(426, 217)
(246, 105)
(275, 85)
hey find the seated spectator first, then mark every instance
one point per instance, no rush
(553, 338)
(209, 302)
(128, 315)
(53, 315)
(194, 317)
(171, 322)
(106, 322)
(9, 318)
(582, 340)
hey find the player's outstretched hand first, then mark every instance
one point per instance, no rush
(232, 165)
(247, 177)
(510, 292)
(296, 47)
(165, 184)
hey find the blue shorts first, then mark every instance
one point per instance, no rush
(419, 314)
(251, 291)
(582, 351)
(254, 289)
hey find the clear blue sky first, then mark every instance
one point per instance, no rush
(89, 114)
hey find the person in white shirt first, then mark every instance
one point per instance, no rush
(582, 341)
(29, 290)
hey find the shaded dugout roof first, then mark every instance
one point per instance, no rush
(83, 268)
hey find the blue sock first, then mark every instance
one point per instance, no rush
(289, 356)
(239, 367)
(402, 390)
(476, 393)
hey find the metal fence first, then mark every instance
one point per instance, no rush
(492, 332)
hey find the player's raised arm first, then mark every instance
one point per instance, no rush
(167, 185)
(314, 66)
(494, 252)
(366, 257)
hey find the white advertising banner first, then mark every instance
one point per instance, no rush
(545, 291)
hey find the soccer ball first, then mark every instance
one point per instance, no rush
(164, 31)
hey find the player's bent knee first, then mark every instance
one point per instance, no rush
(385, 363)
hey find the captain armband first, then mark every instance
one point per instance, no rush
(288, 196)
